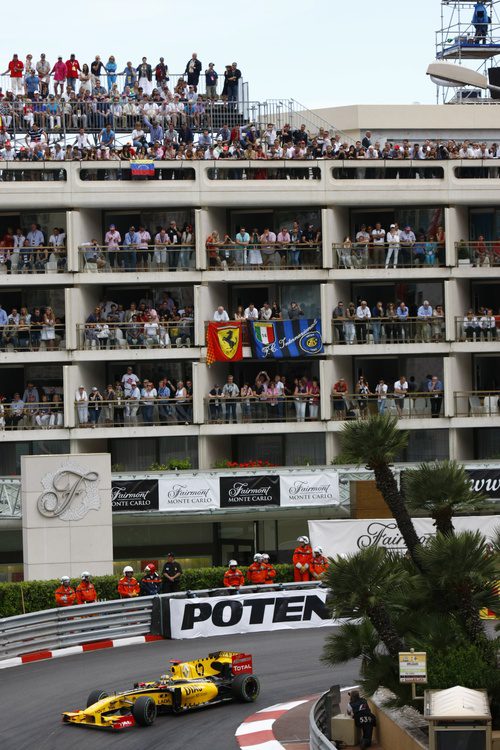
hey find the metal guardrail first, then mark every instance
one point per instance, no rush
(120, 618)
(70, 626)
(317, 719)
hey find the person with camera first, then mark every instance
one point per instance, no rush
(364, 719)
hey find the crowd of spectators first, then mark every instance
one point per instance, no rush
(266, 399)
(166, 248)
(22, 330)
(292, 247)
(481, 326)
(388, 322)
(38, 407)
(130, 402)
(480, 252)
(266, 312)
(112, 326)
(406, 395)
(30, 251)
(372, 246)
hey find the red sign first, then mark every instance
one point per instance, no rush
(242, 664)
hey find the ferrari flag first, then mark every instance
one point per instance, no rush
(142, 168)
(279, 339)
(224, 342)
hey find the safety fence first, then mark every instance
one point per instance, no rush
(122, 618)
(161, 256)
(479, 253)
(318, 725)
(130, 411)
(266, 407)
(389, 329)
(477, 328)
(157, 334)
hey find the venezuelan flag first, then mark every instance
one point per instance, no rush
(142, 168)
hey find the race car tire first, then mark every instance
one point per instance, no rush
(246, 688)
(96, 695)
(144, 711)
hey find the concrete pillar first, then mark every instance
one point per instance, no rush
(456, 220)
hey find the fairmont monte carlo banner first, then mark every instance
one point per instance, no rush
(207, 492)
(279, 339)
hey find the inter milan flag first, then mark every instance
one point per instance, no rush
(224, 342)
(142, 168)
(278, 339)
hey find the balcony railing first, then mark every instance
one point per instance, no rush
(283, 170)
(31, 416)
(109, 171)
(381, 169)
(140, 335)
(389, 330)
(477, 328)
(477, 253)
(169, 257)
(416, 405)
(229, 256)
(40, 259)
(477, 403)
(31, 338)
(131, 412)
(39, 172)
(265, 407)
(354, 255)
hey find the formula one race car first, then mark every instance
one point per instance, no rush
(219, 677)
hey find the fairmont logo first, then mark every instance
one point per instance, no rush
(385, 535)
(134, 495)
(251, 491)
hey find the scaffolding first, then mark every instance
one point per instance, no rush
(459, 40)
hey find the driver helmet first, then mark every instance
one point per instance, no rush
(233, 564)
(318, 550)
(265, 556)
(127, 569)
(303, 539)
(150, 568)
(65, 580)
(257, 557)
(85, 575)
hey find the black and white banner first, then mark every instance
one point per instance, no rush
(345, 537)
(195, 493)
(248, 613)
(134, 495)
(255, 491)
(486, 481)
(310, 489)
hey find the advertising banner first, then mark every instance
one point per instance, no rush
(345, 537)
(249, 492)
(486, 481)
(196, 493)
(277, 339)
(248, 613)
(310, 489)
(136, 495)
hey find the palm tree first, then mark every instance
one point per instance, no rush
(460, 578)
(377, 442)
(366, 585)
(441, 489)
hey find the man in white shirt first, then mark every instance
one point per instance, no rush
(400, 390)
(129, 381)
(251, 312)
(378, 242)
(82, 141)
(393, 246)
(220, 315)
(363, 315)
(230, 393)
(265, 312)
(381, 391)
(424, 318)
(143, 257)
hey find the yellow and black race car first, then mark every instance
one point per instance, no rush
(219, 677)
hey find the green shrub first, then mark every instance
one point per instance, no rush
(39, 595)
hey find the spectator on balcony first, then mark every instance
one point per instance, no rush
(251, 312)
(301, 393)
(377, 315)
(381, 393)
(95, 406)
(142, 248)
(193, 70)
(361, 247)
(240, 313)
(15, 70)
(431, 251)
(72, 71)
(436, 395)
(265, 312)
(220, 315)
(145, 76)
(254, 256)
(181, 403)
(108, 405)
(363, 315)
(402, 314)
(59, 73)
(393, 244)
(152, 329)
(424, 319)
(407, 241)
(438, 323)
(241, 247)
(377, 237)
(314, 398)
(349, 324)
(82, 406)
(362, 390)
(149, 394)
(131, 242)
(471, 326)
(48, 333)
(338, 316)
(215, 403)
(295, 311)
(400, 391)
(230, 393)
(129, 381)
(339, 396)
(481, 254)
(232, 79)
(43, 71)
(106, 138)
(487, 324)
(269, 251)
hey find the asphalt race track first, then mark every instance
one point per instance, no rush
(32, 696)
